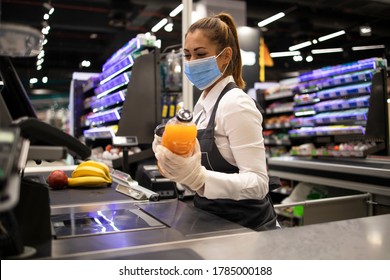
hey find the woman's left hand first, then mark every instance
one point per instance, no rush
(156, 141)
(184, 170)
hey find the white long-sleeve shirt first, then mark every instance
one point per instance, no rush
(239, 138)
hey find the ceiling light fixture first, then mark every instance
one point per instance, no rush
(332, 35)
(275, 17)
(331, 50)
(297, 58)
(372, 47)
(271, 19)
(45, 30)
(41, 54)
(176, 11)
(320, 39)
(300, 46)
(284, 54)
(309, 58)
(159, 25)
(33, 80)
(49, 7)
(365, 31)
(85, 63)
(169, 26)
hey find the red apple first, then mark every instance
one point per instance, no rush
(57, 179)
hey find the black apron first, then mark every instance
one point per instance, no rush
(257, 214)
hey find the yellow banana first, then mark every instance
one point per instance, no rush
(87, 170)
(88, 181)
(97, 164)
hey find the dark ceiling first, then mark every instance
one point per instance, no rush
(115, 22)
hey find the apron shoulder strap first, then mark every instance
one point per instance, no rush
(228, 87)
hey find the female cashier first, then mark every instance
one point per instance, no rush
(227, 170)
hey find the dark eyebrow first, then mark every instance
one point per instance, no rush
(196, 49)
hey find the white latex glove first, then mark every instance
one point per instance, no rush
(156, 142)
(184, 170)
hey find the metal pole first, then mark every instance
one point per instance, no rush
(324, 200)
(187, 86)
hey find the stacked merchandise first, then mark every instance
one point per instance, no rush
(332, 106)
(278, 104)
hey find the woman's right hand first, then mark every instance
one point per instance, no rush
(187, 171)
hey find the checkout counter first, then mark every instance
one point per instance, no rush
(362, 174)
(101, 223)
(85, 221)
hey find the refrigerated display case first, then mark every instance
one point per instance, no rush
(122, 100)
(341, 110)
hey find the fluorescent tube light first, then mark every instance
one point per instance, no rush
(321, 51)
(271, 19)
(176, 11)
(332, 35)
(284, 54)
(159, 25)
(300, 46)
(373, 47)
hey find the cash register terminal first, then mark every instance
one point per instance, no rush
(17, 111)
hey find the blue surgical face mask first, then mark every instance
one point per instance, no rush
(203, 72)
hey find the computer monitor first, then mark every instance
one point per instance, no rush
(141, 111)
(16, 109)
(16, 103)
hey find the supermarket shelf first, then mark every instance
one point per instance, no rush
(286, 109)
(276, 142)
(278, 125)
(279, 95)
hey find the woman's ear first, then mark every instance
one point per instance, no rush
(226, 57)
(228, 54)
